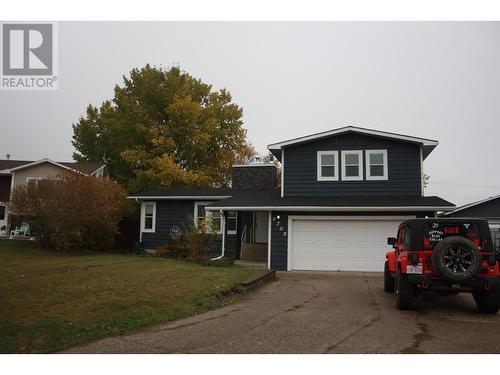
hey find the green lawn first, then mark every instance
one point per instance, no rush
(50, 301)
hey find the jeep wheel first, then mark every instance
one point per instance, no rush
(456, 258)
(388, 279)
(404, 292)
(488, 301)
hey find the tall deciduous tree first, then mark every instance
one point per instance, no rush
(164, 128)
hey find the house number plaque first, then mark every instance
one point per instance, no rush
(280, 226)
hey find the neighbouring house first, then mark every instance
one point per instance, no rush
(340, 194)
(18, 172)
(488, 208)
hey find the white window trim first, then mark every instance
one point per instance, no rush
(210, 214)
(367, 162)
(143, 217)
(336, 169)
(207, 213)
(359, 177)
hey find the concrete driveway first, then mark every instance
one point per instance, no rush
(320, 313)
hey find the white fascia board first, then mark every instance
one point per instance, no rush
(332, 209)
(98, 169)
(180, 197)
(423, 141)
(254, 165)
(41, 161)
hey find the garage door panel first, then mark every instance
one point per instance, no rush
(348, 245)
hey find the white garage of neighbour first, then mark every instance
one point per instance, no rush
(330, 243)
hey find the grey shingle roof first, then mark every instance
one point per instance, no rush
(186, 192)
(272, 198)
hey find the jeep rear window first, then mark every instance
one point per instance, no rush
(435, 232)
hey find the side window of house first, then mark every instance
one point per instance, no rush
(148, 216)
(33, 180)
(2, 212)
(376, 165)
(328, 166)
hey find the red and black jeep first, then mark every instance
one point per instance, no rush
(447, 255)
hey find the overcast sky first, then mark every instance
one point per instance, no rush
(434, 80)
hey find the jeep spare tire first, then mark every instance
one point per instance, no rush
(456, 258)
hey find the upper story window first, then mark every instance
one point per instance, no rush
(328, 166)
(352, 165)
(376, 165)
(148, 217)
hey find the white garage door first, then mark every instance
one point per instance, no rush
(346, 245)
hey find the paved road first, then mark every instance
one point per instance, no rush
(320, 313)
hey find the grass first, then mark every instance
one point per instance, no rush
(50, 301)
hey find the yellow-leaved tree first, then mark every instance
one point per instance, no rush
(164, 128)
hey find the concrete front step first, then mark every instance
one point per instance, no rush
(254, 252)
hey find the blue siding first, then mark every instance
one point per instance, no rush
(403, 168)
(168, 214)
(178, 212)
(279, 241)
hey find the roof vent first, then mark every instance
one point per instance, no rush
(8, 156)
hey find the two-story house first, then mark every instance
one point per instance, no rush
(19, 172)
(341, 194)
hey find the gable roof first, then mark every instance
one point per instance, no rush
(14, 165)
(427, 144)
(469, 205)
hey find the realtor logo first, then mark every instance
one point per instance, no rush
(28, 56)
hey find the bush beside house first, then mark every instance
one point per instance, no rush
(71, 212)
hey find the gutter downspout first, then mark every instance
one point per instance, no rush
(223, 228)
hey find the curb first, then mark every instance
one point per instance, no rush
(252, 283)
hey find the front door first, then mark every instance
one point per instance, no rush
(261, 226)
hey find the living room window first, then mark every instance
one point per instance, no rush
(148, 217)
(352, 165)
(213, 219)
(376, 165)
(328, 166)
